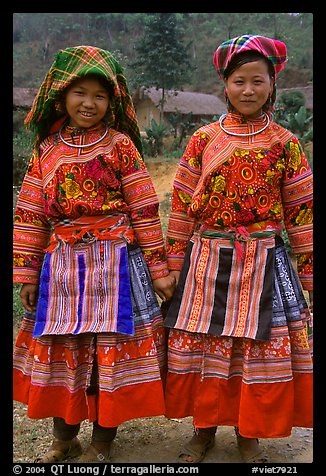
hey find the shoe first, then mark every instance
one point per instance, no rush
(197, 447)
(61, 450)
(93, 455)
(250, 450)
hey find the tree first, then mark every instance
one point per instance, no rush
(161, 57)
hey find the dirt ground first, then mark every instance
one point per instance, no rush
(157, 439)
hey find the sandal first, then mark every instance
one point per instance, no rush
(93, 455)
(197, 447)
(61, 450)
(249, 449)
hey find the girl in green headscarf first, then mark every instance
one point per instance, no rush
(89, 252)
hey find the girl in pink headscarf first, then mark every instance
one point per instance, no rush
(239, 349)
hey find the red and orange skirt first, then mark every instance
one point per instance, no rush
(264, 385)
(53, 372)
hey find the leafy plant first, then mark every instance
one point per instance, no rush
(299, 123)
(291, 113)
(22, 147)
(18, 309)
(182, 125)
(214, 119)
(292, 101)
(155, 135)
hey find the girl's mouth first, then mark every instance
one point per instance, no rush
(86, 114)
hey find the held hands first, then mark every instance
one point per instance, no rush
(176, 276)
(165, 287)
(28, 296)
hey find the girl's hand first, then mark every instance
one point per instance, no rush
(28, 296)
(165, 287)
(176, 276)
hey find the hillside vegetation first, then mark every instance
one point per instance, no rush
(38, 36)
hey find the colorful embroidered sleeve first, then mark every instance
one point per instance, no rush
(31, 228)
(140, 195)
(297, 195)
(181, 225)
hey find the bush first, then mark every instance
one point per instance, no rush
(18, 309)
(154, 139)
(22, 147)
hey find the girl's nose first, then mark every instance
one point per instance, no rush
(248, 90)
(88, 102)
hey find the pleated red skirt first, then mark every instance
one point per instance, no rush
(52, 374)
(264, 388)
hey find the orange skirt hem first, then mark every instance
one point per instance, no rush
(109, 408)
(260, 410)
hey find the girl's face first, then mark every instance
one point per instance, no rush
(249, 87)
(86, 102)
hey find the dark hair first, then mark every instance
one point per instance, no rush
(60, 102)
(101, 79)
(248, 57)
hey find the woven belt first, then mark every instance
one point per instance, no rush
(89, 229)
(237, 235)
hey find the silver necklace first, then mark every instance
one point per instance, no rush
(83, 145)
(246, 134)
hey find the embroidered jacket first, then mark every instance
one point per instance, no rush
(66, 183)
(226, 181)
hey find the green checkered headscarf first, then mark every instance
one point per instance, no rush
(75, 63)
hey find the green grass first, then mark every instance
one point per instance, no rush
(18, 309)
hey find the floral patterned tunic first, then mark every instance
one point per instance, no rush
(226, 181)
(63, 182)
